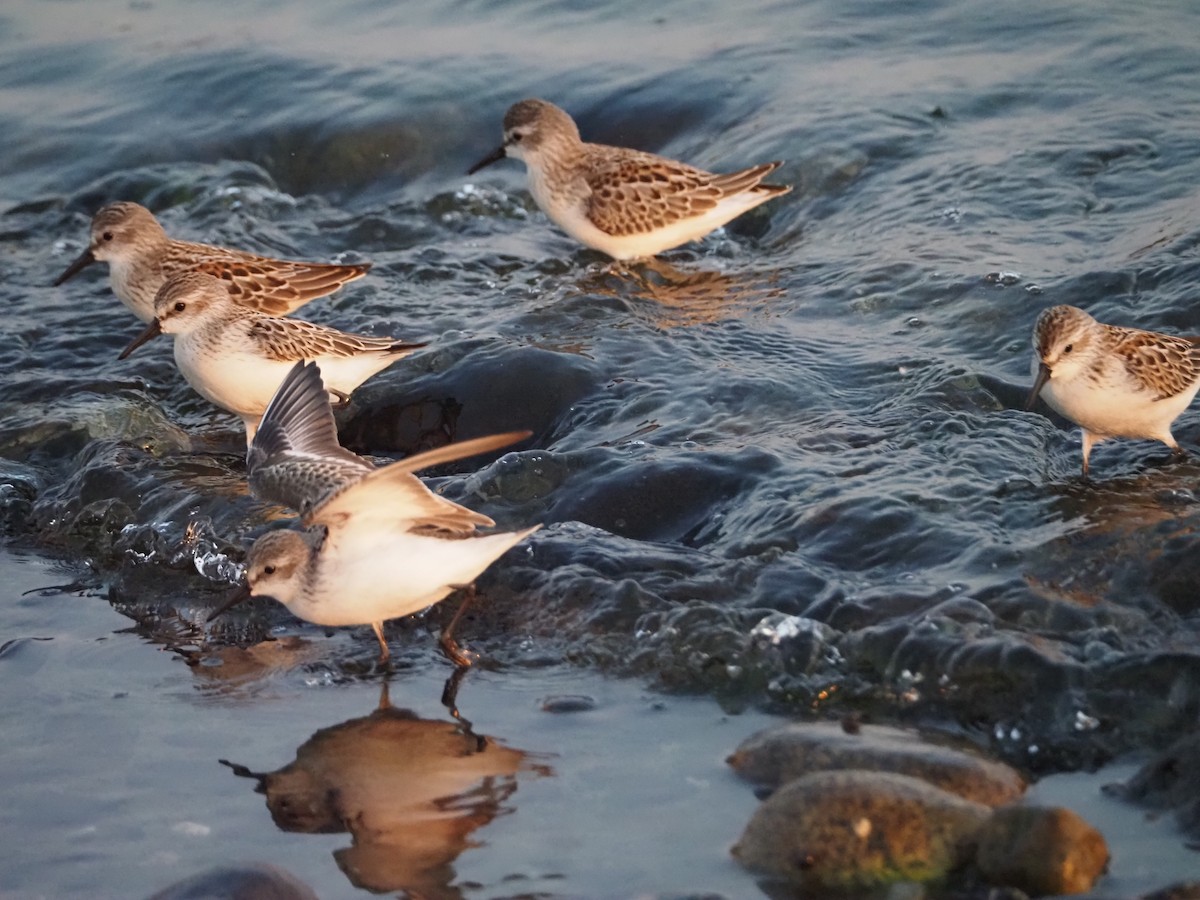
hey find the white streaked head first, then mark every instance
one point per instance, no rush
(1066, 340)
(275, 566)
(534, 129)
(534, 126)
(190, 300)
(124, 230)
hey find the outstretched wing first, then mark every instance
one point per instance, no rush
(295, 458)
(393, 494)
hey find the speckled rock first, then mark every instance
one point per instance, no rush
(858, 829)
(1041, 850)
(778, 755)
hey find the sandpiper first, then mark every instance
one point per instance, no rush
(141, 257)
(622, 202)
(235, 357)
(1112, 381)
(378, 544)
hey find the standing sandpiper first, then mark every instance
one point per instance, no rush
(622, 202)
(1112, 381)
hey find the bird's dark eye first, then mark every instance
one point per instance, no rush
(516, 137)
(180, 306)
(1068, 348)
(108, 235)
(268, 570)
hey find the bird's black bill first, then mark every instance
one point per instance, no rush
(240, 594)
(1043, 376)
(495, 156)
(153, 330)
(85, 259)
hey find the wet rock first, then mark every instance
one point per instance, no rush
(800, 645)
(1187, 891)
(160, 187)
(1041, 850)
(779, 755)
(568, 703)
(19, 487)
(474, 391)
(1171, 780)
(253, 881)
(668, 500)
(856, 829)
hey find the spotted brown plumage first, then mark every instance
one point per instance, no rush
(235, 357)
(639, 194)
(141, 257)
(1112, 381)
(626, 203)
(291, 339)
(1167, 365)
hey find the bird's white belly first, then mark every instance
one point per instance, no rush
(345, 373)
(372, 577)
(1114, 410)
(240, 382)
(364, 581)
(647, 243)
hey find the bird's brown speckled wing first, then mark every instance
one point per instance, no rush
(294, 339)
(634, 193)
(275, 287)
(1165, 365)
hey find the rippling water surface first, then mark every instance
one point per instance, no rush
(788, 466)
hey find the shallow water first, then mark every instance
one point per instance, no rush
(816, 413)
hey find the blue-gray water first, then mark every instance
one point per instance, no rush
(818, 415)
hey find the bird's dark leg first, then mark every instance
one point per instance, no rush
(449, 645)
(450, 701)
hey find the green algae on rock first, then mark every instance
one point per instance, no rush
(857, 829)
(778, 755)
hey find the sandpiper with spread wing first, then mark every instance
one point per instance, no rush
(377, 544)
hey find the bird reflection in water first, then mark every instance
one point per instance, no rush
(688, 298)
(410, 792)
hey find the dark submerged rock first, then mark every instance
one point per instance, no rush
(252, 881)
(1170, 780)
